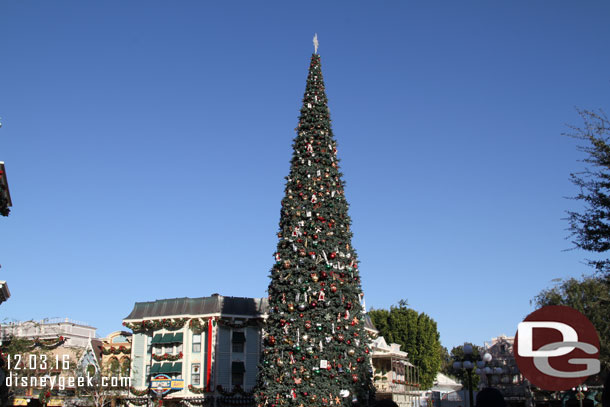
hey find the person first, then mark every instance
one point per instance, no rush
(490, 397)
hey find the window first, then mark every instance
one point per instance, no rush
(237, 373)
(147, 372)
(114, 365)
(195, 373)
(196, 343)
(149, 346)
(238, 342)
(125, 366)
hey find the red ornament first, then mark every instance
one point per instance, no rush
(333, 288)
(333, 255)
(355, 377)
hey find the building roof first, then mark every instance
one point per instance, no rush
(381, 349)
(368, 324)
(215, 304)
(445, 384)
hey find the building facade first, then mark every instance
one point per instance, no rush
(115, 353)
(73, 333)
(66, 348)
(395, 378)
(209, 348)
(505, 375)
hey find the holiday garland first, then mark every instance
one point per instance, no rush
(152, 325)
(197, 325)
(115, 351)
(240, 324)
(237, 389)
(46, 344)
(198, 390)
(167, 356)
(137, 392)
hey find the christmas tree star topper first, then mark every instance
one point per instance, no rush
(315, 43)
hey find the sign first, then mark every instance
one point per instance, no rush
(557, 348)
(161, 384)
(177, 384)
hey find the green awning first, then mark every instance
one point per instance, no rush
(157, 338)
(155, 368)
(178, 337)
(167, 338)
(239, 337)
(238, 367)
(177, 368)
(166, 368)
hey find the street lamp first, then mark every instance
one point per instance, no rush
(468, 363)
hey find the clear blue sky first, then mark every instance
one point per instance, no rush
(146, 144)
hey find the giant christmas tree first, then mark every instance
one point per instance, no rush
(315, 347)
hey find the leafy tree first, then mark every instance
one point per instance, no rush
(457, 354)
(316, 349)
(591, 227)
(418, 335)
(591, 296)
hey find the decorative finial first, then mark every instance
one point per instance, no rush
(315, 43)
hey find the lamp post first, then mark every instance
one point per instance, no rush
(468, 363)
